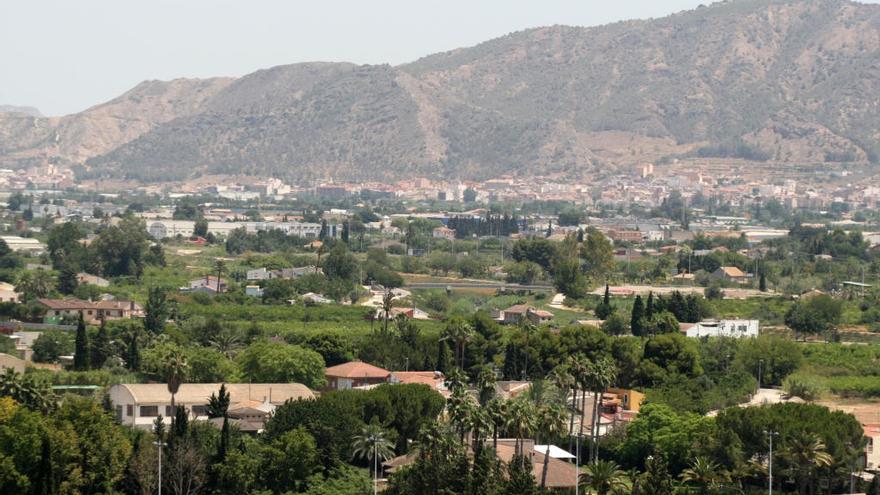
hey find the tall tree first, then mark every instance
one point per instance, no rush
(372, 444)
(637, 319)
(81, 358)
(100, 351)
(603, 478)
(156, 310)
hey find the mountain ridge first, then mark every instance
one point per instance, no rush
(784, 80)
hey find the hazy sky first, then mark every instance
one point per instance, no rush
(62, 56)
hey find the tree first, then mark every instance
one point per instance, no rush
(657, 476)
(458, 331)
(119, 249)
(176, 369)
(805, 454)
(218, 404)
(200, 228)
(340, 264)
(155, 311)
(604, 309)
(551, 423)
(762, 282)
(263, 362)
(25, 390)
(637, 318)
(372, 444)
(52, 344)
(101, 348)
(601, 374)
(219, 269)
(81, 359)
(603, 478)
(705, 474)
(567, 277)
(289, 460)
(816, 315)
(64, 245)
(67, 279)
(33, 284)
(775, 356)
(598, 254)
(615, 324)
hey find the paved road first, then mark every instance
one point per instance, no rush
(478, 285)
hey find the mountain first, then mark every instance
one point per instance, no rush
(790, 81)
(27, 139)
(33, 112)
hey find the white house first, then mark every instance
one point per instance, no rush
(724, 328)
(139, 404)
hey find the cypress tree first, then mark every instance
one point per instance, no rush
(81, 353)
(607, 298)
(223, 445)
(100, 347)
(44, 484)
(637, 318)
(649, 310)
(762, 283)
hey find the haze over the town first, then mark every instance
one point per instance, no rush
(62, 57)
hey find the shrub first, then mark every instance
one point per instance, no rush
(805, 386)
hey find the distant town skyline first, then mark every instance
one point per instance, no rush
(63, 57)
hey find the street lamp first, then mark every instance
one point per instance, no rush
(760, 370)
(771, 434)
(160, 444)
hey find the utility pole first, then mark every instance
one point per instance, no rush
(160, 445)
(760, 370)
(771, 434)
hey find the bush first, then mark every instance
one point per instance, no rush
(805, 386)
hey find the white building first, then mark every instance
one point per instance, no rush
(161, 229)
(138, 404)
(24, 244)
(724, 328)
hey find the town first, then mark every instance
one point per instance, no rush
(583, 336)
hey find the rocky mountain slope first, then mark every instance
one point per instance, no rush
(793, 81)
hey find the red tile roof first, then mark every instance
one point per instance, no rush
(356, 369)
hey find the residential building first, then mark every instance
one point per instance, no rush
(444, 233)
(253, 291)
(354, 374)
(723, 328)
(208, 283)
(138, 404)
(730, 274)
(433, 379)
(519, 313)
(92, 312)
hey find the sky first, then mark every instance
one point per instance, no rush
(64, 56)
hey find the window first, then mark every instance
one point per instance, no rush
(149, 411)
(168, 411)
(129, 410)
(118, 413)
(200, 410)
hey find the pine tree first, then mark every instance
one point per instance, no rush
(637, 319)
(100, 347)
(81, 353)
(156, 310)
(762, 283)
(520, 480)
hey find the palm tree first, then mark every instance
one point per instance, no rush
(528, 329)
(226, 341)
(219, 267)
(521, 422)
(563, 378)
(602, 374)
(806, 454)
(459, 332)
(498, 414)
(550, 422)
(485, 386)
(705, 474)
(604, 477)
(387, 306)
(372, 444)
(176, 369)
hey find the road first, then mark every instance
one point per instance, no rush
(478, 285)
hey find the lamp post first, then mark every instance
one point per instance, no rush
(160, 444)
(771, 434)
(760, 371)
(577, 464)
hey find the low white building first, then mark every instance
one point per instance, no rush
(24, 244)
(724, 328)
(139, 404)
